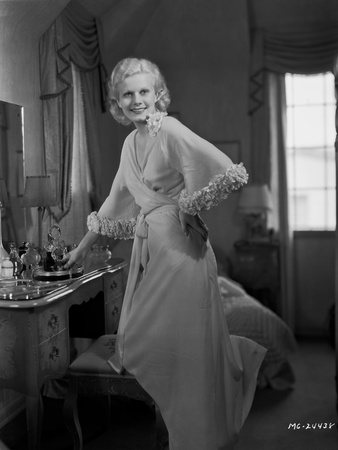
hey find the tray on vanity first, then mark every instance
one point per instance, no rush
(42, 283)
(58, 275)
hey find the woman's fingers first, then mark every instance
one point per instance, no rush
(194, 222)
(69, 260)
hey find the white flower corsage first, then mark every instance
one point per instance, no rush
(217, 190)
(117, 229)
(154, 122)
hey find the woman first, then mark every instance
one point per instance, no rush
(172, 334)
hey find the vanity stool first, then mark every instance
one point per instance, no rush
(90, 375)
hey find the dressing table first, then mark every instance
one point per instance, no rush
(35, 330)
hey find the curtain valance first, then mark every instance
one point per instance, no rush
(73, 37)
(303, 51)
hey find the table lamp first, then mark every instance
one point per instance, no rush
(39, 193)
(3, 204)
(254, 203)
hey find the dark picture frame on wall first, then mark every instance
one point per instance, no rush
(230, 148)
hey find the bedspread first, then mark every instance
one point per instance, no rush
(249, 318)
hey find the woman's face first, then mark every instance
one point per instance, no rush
(137, 97)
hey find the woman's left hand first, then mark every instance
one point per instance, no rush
(195, 222)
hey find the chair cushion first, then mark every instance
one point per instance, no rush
(94, 359)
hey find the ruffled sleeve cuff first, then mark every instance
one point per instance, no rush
(116, 229)
(217, 190)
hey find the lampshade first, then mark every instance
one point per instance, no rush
(38, 192)
(255, 199)
(3, 194)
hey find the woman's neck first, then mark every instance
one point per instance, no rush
(141, 128)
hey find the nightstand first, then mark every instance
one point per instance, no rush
(255, 265)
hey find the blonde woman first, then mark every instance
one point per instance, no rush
(173, 334)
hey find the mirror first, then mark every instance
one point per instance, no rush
(12, 171)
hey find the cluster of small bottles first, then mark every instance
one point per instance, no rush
(21, 262)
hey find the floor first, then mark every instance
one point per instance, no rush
(279, 420)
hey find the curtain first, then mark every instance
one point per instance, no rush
(74, 224)
(273, 54)
(74, 38)
(279, 191)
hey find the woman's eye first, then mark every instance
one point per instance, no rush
(144, 91)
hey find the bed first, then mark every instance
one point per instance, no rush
(249, 318)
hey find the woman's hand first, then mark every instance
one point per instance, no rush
(195, 222)
(73, 257)
(78, 255)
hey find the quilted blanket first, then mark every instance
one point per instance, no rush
(249, 318)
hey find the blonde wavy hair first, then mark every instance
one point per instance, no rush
(132, 66)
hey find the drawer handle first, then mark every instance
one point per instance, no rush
(55, 353)
(113, 285)
(53, 322)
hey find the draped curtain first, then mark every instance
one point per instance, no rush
(73, 39)
(74, 224)
(273, 54)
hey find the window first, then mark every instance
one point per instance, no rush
(311, 134)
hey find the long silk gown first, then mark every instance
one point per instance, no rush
(173, 334)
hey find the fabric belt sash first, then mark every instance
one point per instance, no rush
(139, 261)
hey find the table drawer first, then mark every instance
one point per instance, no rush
(51, 322)
(113, 286)
(53, 353)
(112, 314)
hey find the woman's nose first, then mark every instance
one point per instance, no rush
(137, 99)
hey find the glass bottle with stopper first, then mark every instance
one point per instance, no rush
(56, 248)
(15, 259)
(30, 259)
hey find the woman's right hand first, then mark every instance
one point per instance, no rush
(78, 255)
(73, 257)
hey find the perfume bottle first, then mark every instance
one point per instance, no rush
(48, 260)
(6, 268)
(15, 259)
(30, 259)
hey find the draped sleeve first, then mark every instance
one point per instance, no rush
(209, 175)
(117, 216)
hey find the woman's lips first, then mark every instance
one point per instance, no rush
(138, 111)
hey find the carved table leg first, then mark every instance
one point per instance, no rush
(34, 413)
(71, 415)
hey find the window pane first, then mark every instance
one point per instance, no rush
(309, 126)
(330, 134)
(309, 209)
(308, 90)
(289, 89)
(329, 88)
(291, 169)
(309, 168)
(298, 206)
(311, 164)
(331, 168)
(290, 118)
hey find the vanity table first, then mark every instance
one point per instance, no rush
(35, 332)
